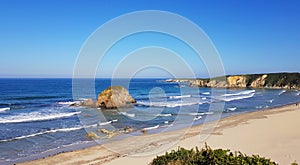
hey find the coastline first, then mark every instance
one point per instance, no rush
(258, 132)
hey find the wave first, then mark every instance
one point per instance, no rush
(128, 114)
(203, 98)
(271, 101)
(150, 128)
(208, 113)
(35, 116)
(232, 108)
(205, 93)
(164, 115)
(104, 123)
(167, 125)
(240, 93)
(170, 104)
(4, 109)
(67, 102)
(198, 118)
(179, 97)
(196, 114)
(281, 92)
(45, 132)
(227, 99)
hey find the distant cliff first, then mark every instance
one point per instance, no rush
(271, 80)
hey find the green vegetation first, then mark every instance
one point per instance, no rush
(283, 79)
(208, 156)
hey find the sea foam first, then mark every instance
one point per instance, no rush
(4, 109)
(45, 132)
(35, 116)
(179, 97)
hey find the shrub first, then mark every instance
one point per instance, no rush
(208, 156)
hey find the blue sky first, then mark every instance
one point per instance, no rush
(43, 38)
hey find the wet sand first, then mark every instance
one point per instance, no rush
(272, 133)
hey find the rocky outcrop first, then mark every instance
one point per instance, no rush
(272, 80)
(114, 97)
(259, 82)
(89, 102)
(236, 81)
(92, 135)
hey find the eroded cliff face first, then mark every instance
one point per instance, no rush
(274, 80)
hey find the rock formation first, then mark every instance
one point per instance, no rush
(114, 97)
(272, 80)
(92, 135)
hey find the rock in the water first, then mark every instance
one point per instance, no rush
(89, 102)
(92, 135)
(128, 129)
(114, 97)
(108, 133)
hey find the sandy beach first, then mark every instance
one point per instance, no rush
(272, 133)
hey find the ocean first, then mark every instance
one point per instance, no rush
(36, 118)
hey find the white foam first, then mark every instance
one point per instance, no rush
(4, 109)
(167, 125)
(271, 101)
(232, 109)
(128, 114)
(205, 93)
(104, 123)
(82, 99)
(240, 93)
(170, 104)
(203, 98)
(115, 120)
(67, 103)
(227, 99)
(179, 97)
(164, 115)
(281, 92)
(35, 116)
(198, 118)
(150, 128)
(208, 113)
(196, 114)
(41, 133)
(166, 122)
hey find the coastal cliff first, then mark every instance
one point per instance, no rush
(271, 80)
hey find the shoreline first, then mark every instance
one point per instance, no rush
(142, 149)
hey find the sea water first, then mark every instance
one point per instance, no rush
(36, 118)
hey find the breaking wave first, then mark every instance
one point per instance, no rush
(127, 114)
(150, 128)
(236, 97)
(45, 132)
(170, 104)
(179, 97)
(4, 109)
(35, 116)
(232, 108)
(281, 92)
(240, 93)
(164, 115)
(198, 118)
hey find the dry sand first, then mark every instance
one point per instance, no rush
(272, 133)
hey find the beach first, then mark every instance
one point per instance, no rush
(271, 133)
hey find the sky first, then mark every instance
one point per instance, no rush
(44, 38)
